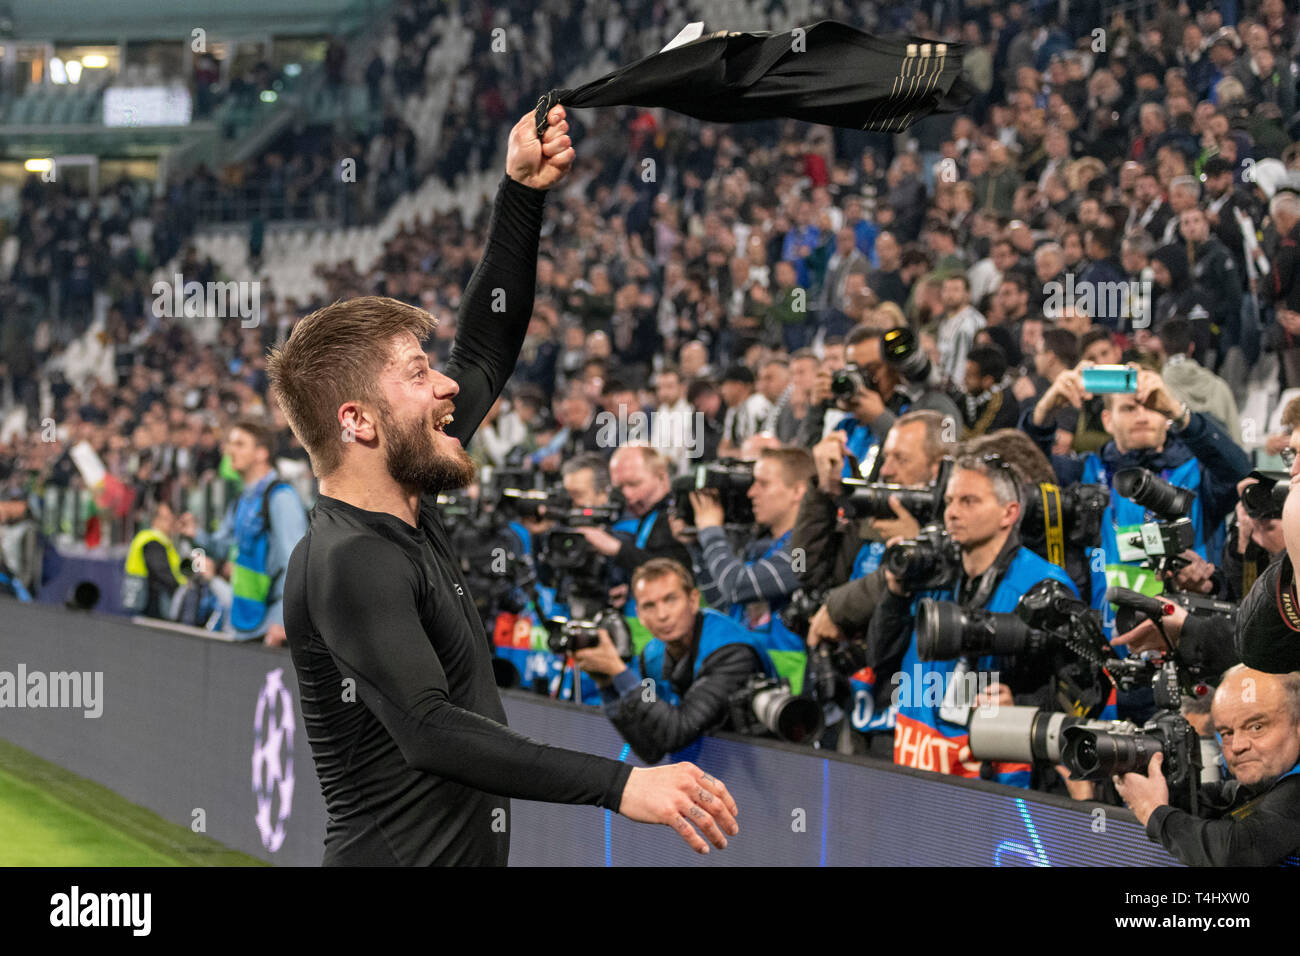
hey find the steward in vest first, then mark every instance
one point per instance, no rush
(1149, 429)
(256, 536)
(153, 567)
(682, 682)
(982, 514)
(754, 588)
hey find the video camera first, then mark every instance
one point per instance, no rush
(1163, 540)
(1133, 606)
(730, 478)
(870, 499)
(930, 561)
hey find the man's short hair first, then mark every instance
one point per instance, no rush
(657, 568)
(1102, 236)
(1094, 335)
(260, 431)
(654, 461)
(999, 471)
(1291, 414)
(738, 373)
(1017, 279)
(1290, 687)
(860, 333)
(796, 463)
(598, 464)
(1064, 344)
(1175, 335)
(804, 353)
(990, 360)
(933, 446)
(699, 387)
(1018, 450)
(1140, 241)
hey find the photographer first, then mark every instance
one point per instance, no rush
(681, 683)
(754, 588)
(912, 453)
(1254, 819)
(835, 550)
(992, 571)
(884, 385)
(1149, 429)
(586, 480)
(641, 475)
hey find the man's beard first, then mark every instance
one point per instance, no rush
(414, 460)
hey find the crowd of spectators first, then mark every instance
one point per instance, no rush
(749, 255)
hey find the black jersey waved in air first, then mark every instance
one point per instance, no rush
(417, 765)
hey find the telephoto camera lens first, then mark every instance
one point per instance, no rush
(945, 630)
(1153, 492)
(1093, 755)
(791, 718)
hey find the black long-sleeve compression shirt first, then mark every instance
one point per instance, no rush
(403, 715)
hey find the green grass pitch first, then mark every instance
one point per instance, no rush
(50, 817)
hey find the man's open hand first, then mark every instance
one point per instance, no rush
(684, 797)
(540, 163)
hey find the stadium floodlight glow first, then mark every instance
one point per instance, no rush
(57, 72)
(292, 69)
(269, 96)
(38, 165)
(74, 71)
(94, 61)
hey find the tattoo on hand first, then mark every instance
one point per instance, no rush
(696, 813)
(704, 795)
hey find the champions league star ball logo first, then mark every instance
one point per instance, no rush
(273, 759)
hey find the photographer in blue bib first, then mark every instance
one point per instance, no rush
(1178, 448)
(842, 573)
(975, 561)
(688, 678)
(255, 538)
(754, 586)
(886, 375)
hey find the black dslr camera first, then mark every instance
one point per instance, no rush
(767, 705)
(930, 561)
(830, 663)
(898, 348)
(565, 636)
(1263, 500)
(870, 499)
(729, 478)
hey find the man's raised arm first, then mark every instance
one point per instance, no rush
(498, 301)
